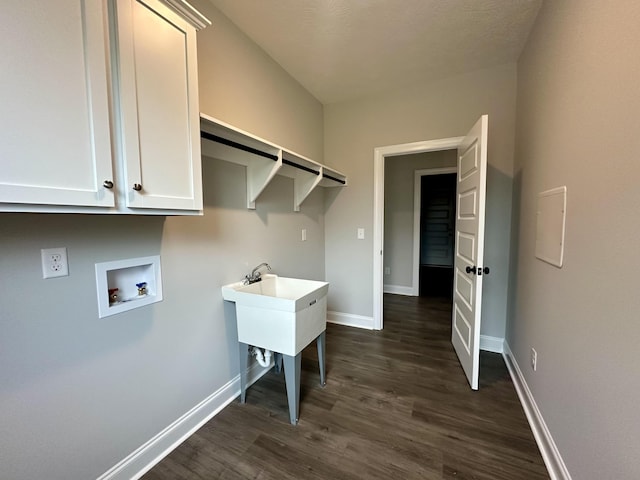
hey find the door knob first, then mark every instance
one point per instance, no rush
(478, 270)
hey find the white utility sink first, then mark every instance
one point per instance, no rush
(278, 313)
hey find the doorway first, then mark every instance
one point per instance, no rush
(469, 237)
(382, 155)
(433, 231)
(436, 232)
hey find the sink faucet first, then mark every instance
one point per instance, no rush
(255, 276)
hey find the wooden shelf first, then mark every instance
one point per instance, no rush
(264, 160)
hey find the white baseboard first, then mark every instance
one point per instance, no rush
(145, 457)
(399, 290)
(548, 449)
(350, 320)
(491, 344)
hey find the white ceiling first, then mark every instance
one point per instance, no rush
(341, 49)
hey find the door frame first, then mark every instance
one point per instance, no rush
(417, 207)
(380, 155)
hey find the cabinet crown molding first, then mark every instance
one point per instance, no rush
(190, 14)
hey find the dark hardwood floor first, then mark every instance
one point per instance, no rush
(396, 406)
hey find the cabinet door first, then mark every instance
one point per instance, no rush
(158, 106)
(55, 146)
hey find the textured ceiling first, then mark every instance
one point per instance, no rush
(342, 49)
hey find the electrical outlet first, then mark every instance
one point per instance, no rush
(304, 234)
(387, 270)
(534, 359)
(360, 233)
(54, 262)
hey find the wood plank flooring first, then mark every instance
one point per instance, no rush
(396, 406)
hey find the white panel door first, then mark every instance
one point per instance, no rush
(469, 247)
(160, 125)
(55, 146)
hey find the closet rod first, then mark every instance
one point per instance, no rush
(255, 151)
(301, 167)
(239, 146)
(334, 179)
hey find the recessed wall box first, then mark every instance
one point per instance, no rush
(550, 225)
(118, 284)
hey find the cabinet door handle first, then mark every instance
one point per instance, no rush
(107, 184)
(137, 187)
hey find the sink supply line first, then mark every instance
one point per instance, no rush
(264, 359)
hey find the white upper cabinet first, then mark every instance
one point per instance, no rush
(155, 74)
(100, 107)
(55, 145)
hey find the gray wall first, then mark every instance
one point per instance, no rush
(242, 85)
(578, 124)
(399, 175)
(441, 109)
(79, 393)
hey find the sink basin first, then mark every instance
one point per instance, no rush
(281, 314)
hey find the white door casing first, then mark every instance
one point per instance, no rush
(417, 202)
(380, 155)
(469, 249)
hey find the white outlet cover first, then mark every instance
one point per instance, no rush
(54, 262)
(360, 233)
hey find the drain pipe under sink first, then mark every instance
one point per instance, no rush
(263, 359)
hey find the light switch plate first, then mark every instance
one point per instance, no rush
(360, 233)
